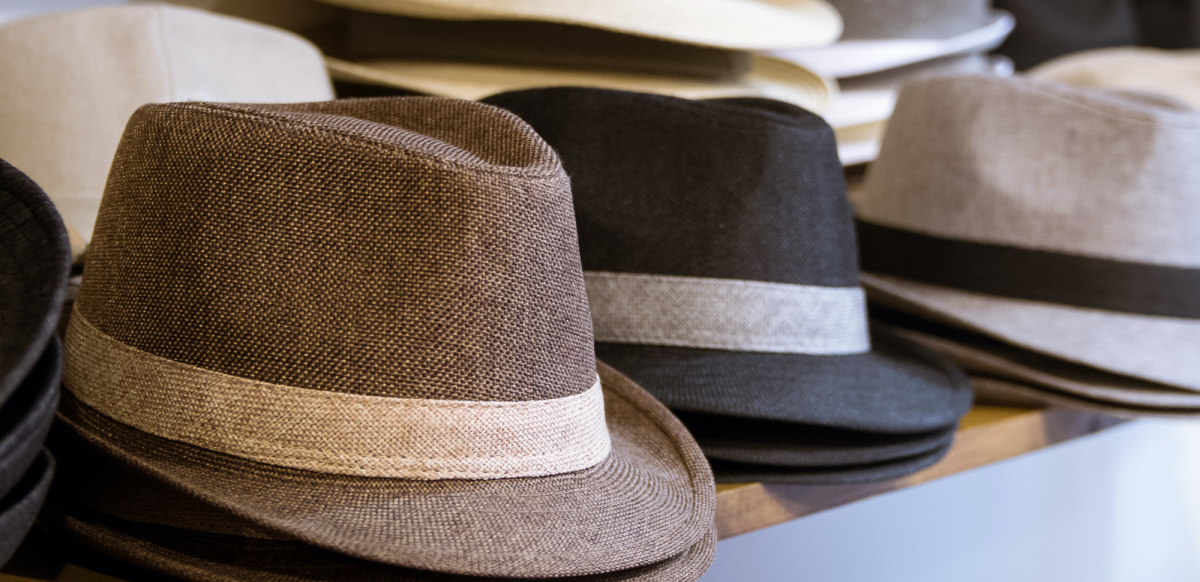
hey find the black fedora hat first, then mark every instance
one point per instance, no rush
(25, 418)
(723, 274)
(20, 506)
(35, 260)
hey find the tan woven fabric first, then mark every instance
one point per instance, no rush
(726, 314)
(383, 250)
(331, 432)
(414, 248)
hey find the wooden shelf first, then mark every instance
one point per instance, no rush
(987, 434)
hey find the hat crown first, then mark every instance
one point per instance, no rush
(895, 19)
(1037, 165)
(746, 189)
(413, 248)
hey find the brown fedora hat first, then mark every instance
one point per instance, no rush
(119, 510)
(362, 325)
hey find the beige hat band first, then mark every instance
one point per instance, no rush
(333, 432)
(1036, 275)
(727, 314)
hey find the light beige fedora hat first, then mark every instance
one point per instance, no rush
(860, 110)
(71, 80)
(984, 356)
(735, 24)
(998, 392)
(1057, 219)
(767, 77)
(885, 34)
(1170, 72)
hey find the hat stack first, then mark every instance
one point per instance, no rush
(35, 258)
(72, 79)
(888, 41)
(1066, 279)
(721, 269)
(469, 49)
(351, 340)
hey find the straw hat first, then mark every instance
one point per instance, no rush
(736, 24)
(767, 77)
(998, 392)
(1090, 255)
(72, 80)
(1172, 73)
(121, 510)
(980, 355)
(722, 276)
(882, 35)
(369, 333)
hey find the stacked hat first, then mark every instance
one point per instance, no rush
(472, 49)
(34, 261)
(353, 338)
(72, 80)
(722, 275)
(1069, 278)
(1168, 72)
(888, 41)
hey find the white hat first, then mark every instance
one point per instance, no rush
(1174, 73)
(71, 80)
(734, 24)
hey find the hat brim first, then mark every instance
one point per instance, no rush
(1001, 392)
(768, 77)
(731, 472)
(984, 356)
(25, 418)
(850, 58)
(35, 257)
(785, 444)
(1150, 348)
(208, 557)
(651, 499)
(20, 507)
(896, 388)
(717, 23)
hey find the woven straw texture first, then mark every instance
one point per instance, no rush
(650, 500)
(417, 248)
(331, 432)
(745, 190)
(127, 513)
(394, 248)
(35, 258)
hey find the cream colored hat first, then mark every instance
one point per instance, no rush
(1174, 73)
(885, 34)
(1057, 219)
(735, 24)
(860, 111)
(768, 77)
(71, 80)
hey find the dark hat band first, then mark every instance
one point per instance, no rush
(1036, 275)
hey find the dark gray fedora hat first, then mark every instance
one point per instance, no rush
(721, 267)
(35, 260)
(25, 417)
(20, 506)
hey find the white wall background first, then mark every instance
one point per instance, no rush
(1121, 506)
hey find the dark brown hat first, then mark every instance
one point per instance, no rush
(362, 325)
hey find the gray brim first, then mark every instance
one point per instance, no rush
(25, 418)
(20, 507)
(727, 472)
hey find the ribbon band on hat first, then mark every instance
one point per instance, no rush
(1035, 275)
(333, 432)
(727, 314)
